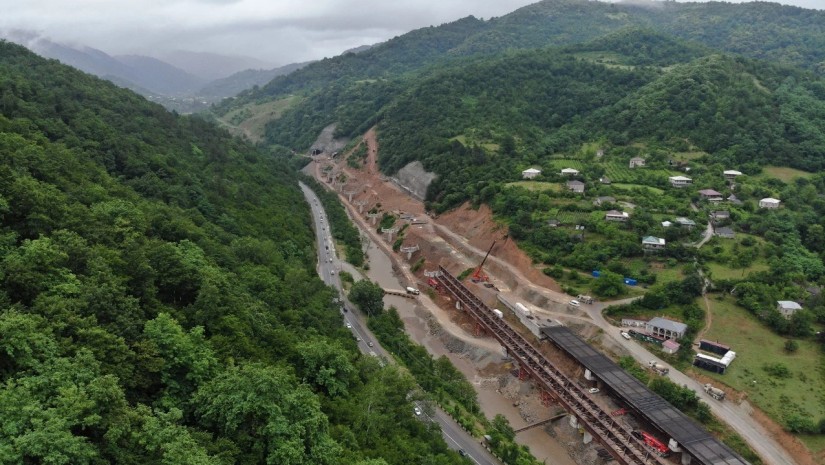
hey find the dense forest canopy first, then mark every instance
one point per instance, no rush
(783, 34)
(158, 296)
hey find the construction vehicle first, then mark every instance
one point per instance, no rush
(658, 368)
(652, 443)
(478, 275)
(715, 392)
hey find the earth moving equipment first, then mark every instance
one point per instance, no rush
(478, 275)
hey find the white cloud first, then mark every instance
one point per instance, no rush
(276, 31)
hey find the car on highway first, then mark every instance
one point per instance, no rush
(462, 453)
(349, 326)
(332, 272)
(417, 410)
(574, 303)
(625, 335)
(370, 344)
(593, 390)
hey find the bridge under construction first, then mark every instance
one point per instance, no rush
(699, 446)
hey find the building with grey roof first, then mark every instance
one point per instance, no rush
(665, 328)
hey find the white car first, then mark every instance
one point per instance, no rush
(593, 390)
(349, 326)
(574, 303)
(625, 335)
(417, 410)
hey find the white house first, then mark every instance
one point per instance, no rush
(680, 181)
(666, 224)
(637, 161)
(653, 243)
(730, 175)
(615, 215)
(787, 307)
(769, 203)
(569, 172)
(665, 328)
(530, 173)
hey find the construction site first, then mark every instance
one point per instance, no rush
(508, 327)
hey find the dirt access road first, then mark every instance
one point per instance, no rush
(469, 242)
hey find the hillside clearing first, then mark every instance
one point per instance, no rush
(756, 347)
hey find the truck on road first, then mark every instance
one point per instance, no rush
(412, 290)
(658, 368)
(715, 392)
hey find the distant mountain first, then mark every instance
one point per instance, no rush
(159, 76)
(243, 80)
(211, 66)
(145, 75)
(783, 34)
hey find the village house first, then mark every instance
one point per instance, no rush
(553, 223)
(604, 180)
(530, 173)
(731, 175)
(666, 224)
(665, 328)
(653, 243)
(724, 232)
(710, 195)
(734, 200)
(787, 307)
(685, 222)
(603, 200)
(769, 202)
(576, 186)
(720, 215)
(670, 346)
(637, 161)
(615, 215)
(680, 181)
(569, 172)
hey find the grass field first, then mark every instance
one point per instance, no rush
(251, 119)
(687, 156)
(719, 271)
(784, 174)
(655, 190)
(757, 346)
(561, 163)
(536, 186)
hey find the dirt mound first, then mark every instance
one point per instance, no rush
(480, 230)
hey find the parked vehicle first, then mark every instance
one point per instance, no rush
(412, 290)
(593, 390)
(498, 313)
(715, 392)
(625, 335)
(585, 299)
(574, 303)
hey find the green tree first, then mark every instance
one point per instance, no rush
(609, 284)
(368, 296)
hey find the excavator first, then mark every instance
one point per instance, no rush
(478, 275)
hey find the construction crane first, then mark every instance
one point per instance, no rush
(478, 275)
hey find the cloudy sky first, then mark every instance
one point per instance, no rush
(276, 31)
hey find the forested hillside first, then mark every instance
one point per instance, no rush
(783, 34)
(158, 299)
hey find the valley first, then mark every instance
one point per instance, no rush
(459, 239)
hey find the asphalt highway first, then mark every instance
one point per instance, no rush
(328, 268)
